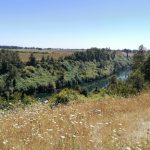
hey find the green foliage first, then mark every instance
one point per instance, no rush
(91, 55)
(39, 80)
(32, 60)
(7, 60)
(3, 103)
(28, 71)
(103, 92)
(48, 75)
(137, 80)
(113, 80)
(84, 91)
(121, 88)
(27, 100)
(16, 100)
(139, 58)
(146, 69)
(65, 96)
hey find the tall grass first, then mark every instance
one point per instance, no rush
(112, 124)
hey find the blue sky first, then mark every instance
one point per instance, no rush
(116, 24)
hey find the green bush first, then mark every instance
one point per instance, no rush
(28, 71)
(103, 92)
(137, 80)
(65, 96)
(84, 91)
(3, 103)
(16, 100)
(121, 88)
(27, 100)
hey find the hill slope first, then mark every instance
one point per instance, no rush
(110, 124)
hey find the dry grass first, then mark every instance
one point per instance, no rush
(24, 56)
(108, 125)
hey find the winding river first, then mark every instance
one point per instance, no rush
(99, 84)
(102, 83)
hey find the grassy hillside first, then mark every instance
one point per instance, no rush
(107, 124)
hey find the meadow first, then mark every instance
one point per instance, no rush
(24, 55)
(101, 124)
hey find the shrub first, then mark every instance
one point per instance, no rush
(137, 80)
(121, 88)
(113, 80)
(103, 92)
(16, 100)
(28, 71)
(27, 100)
(84, 91)
(3, 103)
(65, 96)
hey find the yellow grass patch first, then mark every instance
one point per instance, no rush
(113, 124)
(24, 56)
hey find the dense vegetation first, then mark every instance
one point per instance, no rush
(19, 80)
(139, 78)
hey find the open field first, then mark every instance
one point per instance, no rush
(111, 124)
(24, 56)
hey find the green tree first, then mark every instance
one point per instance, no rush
(139, 58)
(113, 80)
(10, 82)
(43, 59)
(146, 69)
(137, 80)
(32, 60)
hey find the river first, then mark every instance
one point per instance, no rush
(102, 83)
(99, 84)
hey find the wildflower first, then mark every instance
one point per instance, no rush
(63, 137)
(91, 126)
(127, 148)
(40, 136)
(97, 111)
(46, 101)
(49, 130)
(138, 148)
(5, 142)
(99, 123)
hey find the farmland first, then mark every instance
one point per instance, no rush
(24, 55)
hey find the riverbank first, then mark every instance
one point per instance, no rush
(91, 86)
(122, 74)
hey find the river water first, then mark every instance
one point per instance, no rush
(99, 84)
(102, 83)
